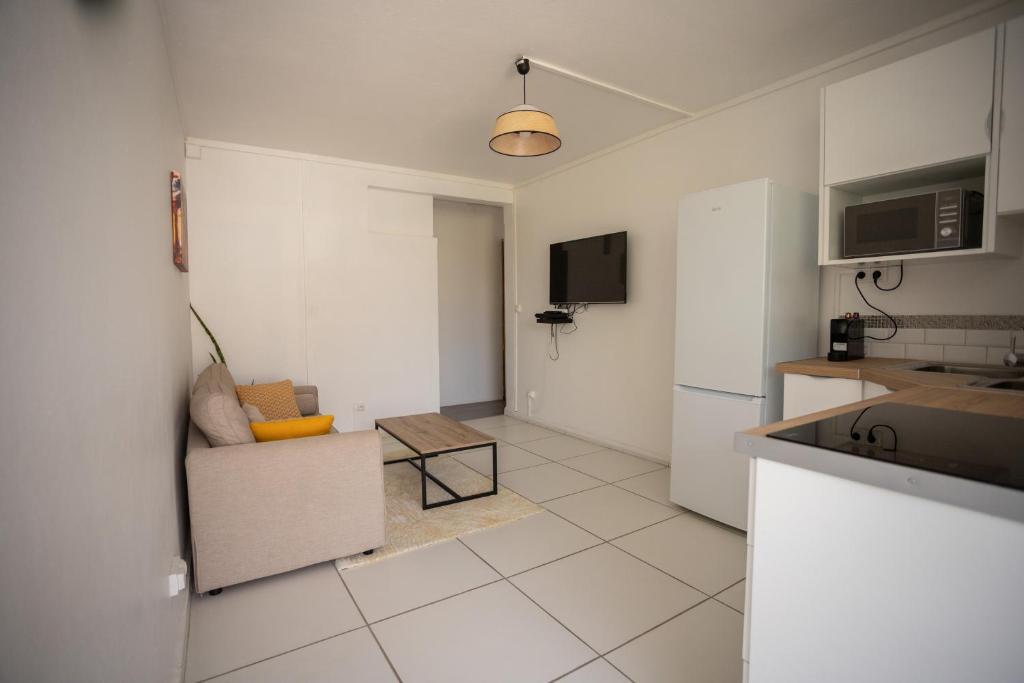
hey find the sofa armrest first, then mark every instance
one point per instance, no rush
(265, 508)
(308, 398)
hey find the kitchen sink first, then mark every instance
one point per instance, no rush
(1012, 384)
(990, 371)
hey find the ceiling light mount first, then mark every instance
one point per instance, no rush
(525, 130)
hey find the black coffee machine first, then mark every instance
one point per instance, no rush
(846, 339)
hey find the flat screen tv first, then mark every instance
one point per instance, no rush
(589, 271)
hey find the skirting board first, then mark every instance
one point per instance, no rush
(631, 450)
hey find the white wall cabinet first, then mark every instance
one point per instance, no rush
(1010, 197)
(804, 394)
(921, 111)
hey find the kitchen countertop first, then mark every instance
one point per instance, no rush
(982, 497)
(885, 371)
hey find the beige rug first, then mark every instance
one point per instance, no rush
(409, 526)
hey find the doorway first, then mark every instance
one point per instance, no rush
(471, 298)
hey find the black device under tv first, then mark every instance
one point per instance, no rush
(591, 270)
(558, 317)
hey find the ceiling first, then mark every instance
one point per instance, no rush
(418, 83)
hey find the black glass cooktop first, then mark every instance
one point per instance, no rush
(967, 445)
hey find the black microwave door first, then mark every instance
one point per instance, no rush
(894, 226)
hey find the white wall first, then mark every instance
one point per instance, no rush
(95, 353)
(321, 271)
(614, 379)
(469, 260)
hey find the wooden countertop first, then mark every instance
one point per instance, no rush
(885, 371)
(973, 400)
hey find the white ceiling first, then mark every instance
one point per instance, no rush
(418, 83)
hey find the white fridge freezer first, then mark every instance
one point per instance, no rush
(746, 298)
(704, 423)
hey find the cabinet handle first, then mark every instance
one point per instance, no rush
(988, 125)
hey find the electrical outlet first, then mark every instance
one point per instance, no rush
(359, 407)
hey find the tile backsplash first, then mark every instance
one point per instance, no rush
(947, 338)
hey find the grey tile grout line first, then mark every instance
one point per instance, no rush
(367, 623)
(539, 606)
(656, 626)
(722, 602)
(639, 559)
(281, 654)
(434, 602)
(572, 671)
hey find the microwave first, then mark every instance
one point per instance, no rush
(947, 219)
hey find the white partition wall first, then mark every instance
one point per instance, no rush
(321, 271)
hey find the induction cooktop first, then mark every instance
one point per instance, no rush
(984, 448)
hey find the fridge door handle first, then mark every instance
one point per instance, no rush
(718, 394)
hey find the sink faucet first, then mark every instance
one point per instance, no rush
(1012, 359)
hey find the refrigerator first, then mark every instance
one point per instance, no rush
(746, 299)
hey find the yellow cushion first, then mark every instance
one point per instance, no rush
(275, 401)
(276, 430)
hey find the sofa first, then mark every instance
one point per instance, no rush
(259, 509)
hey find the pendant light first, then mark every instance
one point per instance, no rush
(525, 131)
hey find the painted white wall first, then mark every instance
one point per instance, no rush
(323, 271)
(95, 346)
(614, 379)
(469, 297)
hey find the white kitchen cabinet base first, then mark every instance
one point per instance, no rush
(855, 583)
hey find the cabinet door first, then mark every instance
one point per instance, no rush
(927, 109)
(1011, 143)
(803, 394)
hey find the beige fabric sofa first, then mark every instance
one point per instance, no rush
(258, 509)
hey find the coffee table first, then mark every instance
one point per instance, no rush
(429, 435)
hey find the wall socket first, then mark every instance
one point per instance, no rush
(176, 579)
(359, 407)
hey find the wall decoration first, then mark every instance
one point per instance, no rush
(179, 233)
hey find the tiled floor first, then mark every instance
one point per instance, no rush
(611, 583)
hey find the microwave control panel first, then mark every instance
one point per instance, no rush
(948, 220)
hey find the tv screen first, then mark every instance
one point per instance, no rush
(589, 271)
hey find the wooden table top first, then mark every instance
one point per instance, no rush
(885, 371)
(973, 400)
(431, 433)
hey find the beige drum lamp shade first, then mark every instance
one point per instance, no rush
(525, 130)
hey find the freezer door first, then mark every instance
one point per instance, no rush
(720, 288)
(708, 476)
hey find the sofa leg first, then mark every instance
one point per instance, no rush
(368, 552)
(215, 591)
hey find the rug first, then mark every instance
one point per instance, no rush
(409, 526)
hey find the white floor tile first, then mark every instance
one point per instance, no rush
(653, 486)
(482, 423)
(518, 433)
(609, 511)
(545, 482)
(735, 597)
(598, 671)
(526, 543)
(609, 465)
(703, 645)
(492, 633)
(560, 447)
(413, 579)
(605, 596)
(350, 657)
(693, 550)
(509, 458)
(259, 619)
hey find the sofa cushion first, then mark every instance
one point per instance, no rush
(276, 401)
(252, 413)
(215, 408)
(276, 430)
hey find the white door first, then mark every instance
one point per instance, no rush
(720, 288)
(927, 109)
(708, 476)
(1010, 197)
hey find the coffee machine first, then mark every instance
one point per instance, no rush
(846, 338)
